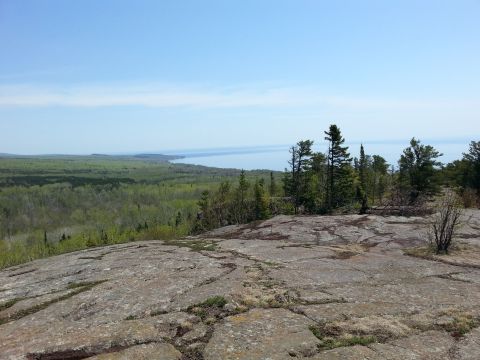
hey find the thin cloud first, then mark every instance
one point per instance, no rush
(196, 97)
(31, 96)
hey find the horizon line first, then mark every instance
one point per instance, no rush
(210, 150)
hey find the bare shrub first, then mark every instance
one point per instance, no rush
(445, 222)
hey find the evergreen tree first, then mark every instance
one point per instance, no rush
(103, 237)
(362, 169)
(261, 211)
(472, 176)
(287, 183)
(316, 180)
(362, 194)
(178, 219)
(204, 217)
(242, 192)
(339, 179)
(222, 205)
(418, 170)
(300, 163)
(289, 176)
(203, 203)
(379, 178)
(273, 185)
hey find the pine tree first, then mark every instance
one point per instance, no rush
(261, 202)
(472, 158)
(339, 181)
(203, 221)
(221, 204)
(418, 169)
(362, 168)
(273, 185)
(243, 186)
(379, 177)
(289, 176)
(362, 194)
(300, 163)
(103, 237)
(314, 197)
(178, 219)
(204, 201)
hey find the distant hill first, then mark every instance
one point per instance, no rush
(158, 157)
(149, 157)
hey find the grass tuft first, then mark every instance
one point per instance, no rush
(212, 307)
(216, 301)
(461, 326)
(328, 343)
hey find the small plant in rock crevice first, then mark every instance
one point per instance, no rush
(210, 308)
(330, 342)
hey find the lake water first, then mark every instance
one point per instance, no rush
(276, 157)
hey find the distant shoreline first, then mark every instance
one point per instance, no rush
(148, 157)
(272, 157)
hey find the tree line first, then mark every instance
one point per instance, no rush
(336, 182)
(168, 201)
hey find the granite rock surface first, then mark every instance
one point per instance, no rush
(305, 287)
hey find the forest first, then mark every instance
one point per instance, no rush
(335, 182)
(55, 204)
(51, 205)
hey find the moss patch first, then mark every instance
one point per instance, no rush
(330, 342)
(87, 284)
(195, 245)
(9, 303)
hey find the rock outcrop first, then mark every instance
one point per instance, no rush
(339, 287)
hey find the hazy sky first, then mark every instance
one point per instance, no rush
(126, 76)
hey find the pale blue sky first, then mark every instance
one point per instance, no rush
(122, 76)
